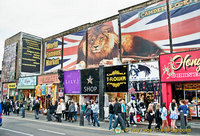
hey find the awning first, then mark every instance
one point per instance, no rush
(26, 87)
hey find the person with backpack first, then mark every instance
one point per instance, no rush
(184, 108)
(164, 117)
(158, 116)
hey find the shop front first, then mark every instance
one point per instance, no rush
(116, 85)
(47, 90)
(90, 85)
(26, 89)
(144, 83)
(72, 85)
(180, 77)
(12, 90)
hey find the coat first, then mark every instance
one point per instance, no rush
(59, 109)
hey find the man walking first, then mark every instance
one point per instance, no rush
(37, 108)
(118, 113)
(95, 112)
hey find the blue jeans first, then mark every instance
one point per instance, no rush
(21, 111)
(75, 115)
(112, 116)
(36, 114)
(95, 120)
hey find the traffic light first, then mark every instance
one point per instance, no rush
(61, 76)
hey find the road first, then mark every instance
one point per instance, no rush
(16, 126)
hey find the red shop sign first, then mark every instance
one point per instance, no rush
(183, 66)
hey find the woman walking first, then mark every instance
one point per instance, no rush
(88, 113)
(132, 112)
(158, 116)
(150, 115)
(59, 112)
(173, 114)
(164, 117)
(185, 110)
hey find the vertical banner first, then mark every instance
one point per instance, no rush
(116, 79)
(73, 51)
(144, 32)
(72, 83)
(8, 64)
(53, 55)
(90, 81)
(102, 44)
(31, 54)
(185, 19)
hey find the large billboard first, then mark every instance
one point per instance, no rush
(72, 51)
(9, 62)
(90, 81)
(72, 82)
(144, 32)
(184, 66)
(116, 78)
(185, 19)
(53, 55)
(31, 54)
(102, 45)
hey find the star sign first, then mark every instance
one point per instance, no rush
(90, 80)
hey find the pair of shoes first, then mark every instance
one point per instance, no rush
(134, 125)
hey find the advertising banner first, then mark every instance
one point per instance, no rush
(31, 54)
(72, 83)
(73, 50)
(193, 110)
(8, 64)
(5, 89)
(48, 79)
(144, 71)
(144, 32)
(90, 81)
(182, 66)
(185, 19)
(198, 111)
(53, 55)
(102, 44)
(27, 81)
(116, 79)
(12, 85)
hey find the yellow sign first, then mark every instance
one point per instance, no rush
(12, 85)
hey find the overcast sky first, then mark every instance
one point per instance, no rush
(44, 18)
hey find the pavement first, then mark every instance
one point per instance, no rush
(42, 127)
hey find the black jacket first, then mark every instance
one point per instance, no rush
(37, 106)
(111, 109)
(117, 108)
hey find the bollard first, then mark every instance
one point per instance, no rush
(81, 118)
(183, 127)
(23, 115)
(48, 115)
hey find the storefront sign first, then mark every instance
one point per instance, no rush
(116, 79)
(90, 81)
(191, 86)
(26, 81)
(5, 89)
(193, 110)
(48, 79)
(12, 85)
(183, 66)
(144, 71)
(72, 83)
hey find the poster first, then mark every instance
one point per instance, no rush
(31, 54)
(53, 55)
(102, 45)
(193, 110)
(184, 16)
(72, 82)
(90, 81)
(71, 52)
(144, 71)
(9, 62)
(116, 78)
(181, 66)
(144, 32)
(198, 111)
(5, 89)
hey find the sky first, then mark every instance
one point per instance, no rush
(45, 18)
